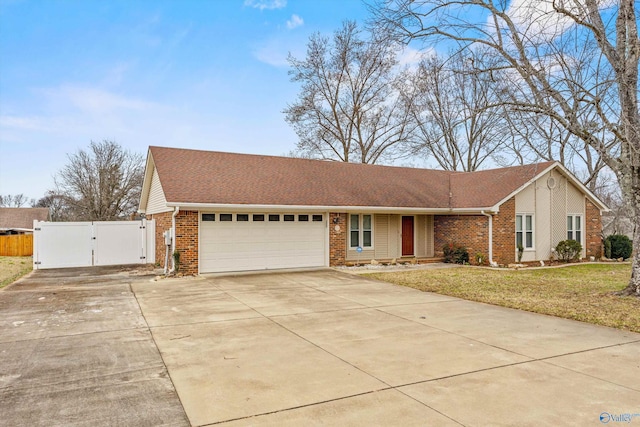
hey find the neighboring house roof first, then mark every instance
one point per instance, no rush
(21, 218)
(194, 177)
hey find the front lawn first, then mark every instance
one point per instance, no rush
(579, 292)
(14, 267)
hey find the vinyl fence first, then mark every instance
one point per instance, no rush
(84, 244)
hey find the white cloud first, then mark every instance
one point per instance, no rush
(266, 4)
(95, 100)
(411, 57)
(294, 22)
(272, 53)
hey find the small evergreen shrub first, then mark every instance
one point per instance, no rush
(455, 254)
(607, 247)
(568, 250)
(620, 246)
(176, 260)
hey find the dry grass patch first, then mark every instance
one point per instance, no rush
(14, 267)
(579, 292)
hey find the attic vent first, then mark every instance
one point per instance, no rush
(551, 182)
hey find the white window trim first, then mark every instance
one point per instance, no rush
(361, 231)
(573, 223)
(524, 231)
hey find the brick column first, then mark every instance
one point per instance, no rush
(187, 241)
(337, 239)
(593, 231)
(504, 233)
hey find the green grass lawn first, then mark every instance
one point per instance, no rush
(579, 292)
(14, 267)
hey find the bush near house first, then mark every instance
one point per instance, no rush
(568, 250)
(455, 254)
(618, 246)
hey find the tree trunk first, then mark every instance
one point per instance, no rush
(633, 288)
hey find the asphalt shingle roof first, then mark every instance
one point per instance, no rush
(210, 177)
(21, 218)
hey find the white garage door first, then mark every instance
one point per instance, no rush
(242, 242)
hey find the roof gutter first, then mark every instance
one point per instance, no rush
(323, 208)
(173, 238)
(492, 263)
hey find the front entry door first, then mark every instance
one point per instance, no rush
(407, 236)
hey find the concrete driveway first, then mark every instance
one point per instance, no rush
(109, 347)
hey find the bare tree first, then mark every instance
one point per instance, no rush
(100, 184)
(59, 206)
(538, 45)
(348, 108)
(13, 201)
(453, 106)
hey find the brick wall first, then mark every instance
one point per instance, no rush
(187, 241)
(337, 239)
(593, 231)
(504, 233)
(470, 231)
(163, 223)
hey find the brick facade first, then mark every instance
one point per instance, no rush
(504, 233)
(593, 231)
(186, 239)
(469, 231)
(337, 239)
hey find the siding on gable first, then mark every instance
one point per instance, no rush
(551, 205)
(156, 202)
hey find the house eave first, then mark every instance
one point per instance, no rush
(326, 208)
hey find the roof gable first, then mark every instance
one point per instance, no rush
(197, 177)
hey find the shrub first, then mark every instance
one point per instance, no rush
(620, 246)
(607, 247)
(176, 260)
(455, 255)
(568, 250)
(480, 257)
(520, 252)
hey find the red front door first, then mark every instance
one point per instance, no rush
(407, 235)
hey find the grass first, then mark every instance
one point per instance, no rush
(579, 292)
(14, 267)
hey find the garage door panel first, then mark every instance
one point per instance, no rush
(259, 245)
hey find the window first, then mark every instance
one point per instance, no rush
(360, 231)
(574, 228)
(258, 217)
(289, 218)
(242, 217)
(303, 218)
(274, 217)
(524, 231)
(226, 217)
(208, 217)
(317, 218)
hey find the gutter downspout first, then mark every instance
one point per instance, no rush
(173, 237)
(491, 262)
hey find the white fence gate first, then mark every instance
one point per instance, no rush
(84, 244)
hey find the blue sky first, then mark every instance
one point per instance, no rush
(195, 74)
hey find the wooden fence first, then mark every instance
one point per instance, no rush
(16, 245)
